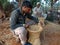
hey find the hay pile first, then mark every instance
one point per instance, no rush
(34, 34)
(36, 27)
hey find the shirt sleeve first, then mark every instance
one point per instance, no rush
(33, 18)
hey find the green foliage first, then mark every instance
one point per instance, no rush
(7, 6)
(2, 2)
(34, 2)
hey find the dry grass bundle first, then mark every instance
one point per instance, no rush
(34, 34)
(36, 27)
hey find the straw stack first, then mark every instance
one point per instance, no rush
(34, 34)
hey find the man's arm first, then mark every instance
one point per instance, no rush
(33, 18)
(13, 20)
(35, 10)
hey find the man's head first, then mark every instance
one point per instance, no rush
(38, 4)
(26, 7)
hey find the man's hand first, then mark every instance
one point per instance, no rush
(26, 25)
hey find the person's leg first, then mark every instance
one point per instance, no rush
(13, 33)
(21, 32)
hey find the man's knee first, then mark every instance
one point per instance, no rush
(19, 30)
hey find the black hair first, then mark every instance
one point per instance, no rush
(27, 4)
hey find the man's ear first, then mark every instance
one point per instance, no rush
(24, 6)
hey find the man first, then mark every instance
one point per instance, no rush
(15, 5)
(37, 11)
(18, 18)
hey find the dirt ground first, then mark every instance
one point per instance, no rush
(49, 36)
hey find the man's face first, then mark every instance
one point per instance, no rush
(26, 9)
(38, 5)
